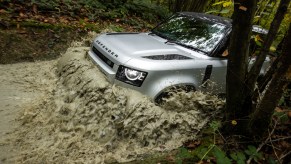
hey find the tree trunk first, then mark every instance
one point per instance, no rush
(262, 83)
(261, 118)
(198, 5)
(255, 70)
(237, 65)
(179, 5)
(189, 5)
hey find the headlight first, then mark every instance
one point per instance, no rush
(130, 76)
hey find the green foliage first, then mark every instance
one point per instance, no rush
(285, 97)
(215, 125)
(257, 40)
(209, 151)
(253, 153)
(239, 157)
(220, 156)
(223, 11)
(224, 8)
(282, 116)
(183, 154)
(116, 28)
(96, 9)
(223, 3)
(147, 10)
(265, 14)
(201, 152)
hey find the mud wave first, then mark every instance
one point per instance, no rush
(88, 120)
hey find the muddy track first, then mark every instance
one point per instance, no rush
(83, 118)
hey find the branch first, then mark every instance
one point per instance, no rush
(283, 156)
(279, 139)
(255, 69)
(265, 142)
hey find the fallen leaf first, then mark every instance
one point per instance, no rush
(21, 14)
(22, 32)
(243, 8)
(234, 122)
(2, 11)
(192, 144)
(170, 158)
(278, 109)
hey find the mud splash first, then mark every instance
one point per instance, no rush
(88, 120)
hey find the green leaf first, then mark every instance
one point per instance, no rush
(215, 125)
(241, 156)
(240, 162)
(252, 148)
(238, 157)
(234, 156)
(224, 11)
(212, 11)
(272, 48)
(252, 152)
(201, 151)
(271, 160)
(220, 156)
(218, 3)
(184, 153)
(226, 4)
(258, 43)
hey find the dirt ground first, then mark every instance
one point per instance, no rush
(34, 44)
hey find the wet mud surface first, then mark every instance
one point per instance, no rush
(80, 117)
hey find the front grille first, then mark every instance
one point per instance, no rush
(103, 58)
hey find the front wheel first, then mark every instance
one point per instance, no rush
(171, 91)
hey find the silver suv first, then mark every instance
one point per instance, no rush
(187, 50)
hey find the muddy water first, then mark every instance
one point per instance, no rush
(88, 120)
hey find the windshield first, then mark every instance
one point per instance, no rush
(198, 33)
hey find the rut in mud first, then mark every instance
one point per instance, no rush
(86, 119)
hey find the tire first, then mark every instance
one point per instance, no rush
(168, 92)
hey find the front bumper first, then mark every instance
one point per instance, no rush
(108, 71)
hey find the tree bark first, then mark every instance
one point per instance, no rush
(261, 118)
(255, 69)
(236, 90)
(198, 5)
(189, 5)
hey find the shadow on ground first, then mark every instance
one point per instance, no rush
(34, 44)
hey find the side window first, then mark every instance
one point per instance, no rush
(222, 51)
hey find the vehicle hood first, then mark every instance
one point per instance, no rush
(136, 45)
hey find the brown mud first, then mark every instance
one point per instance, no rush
(76, 115)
